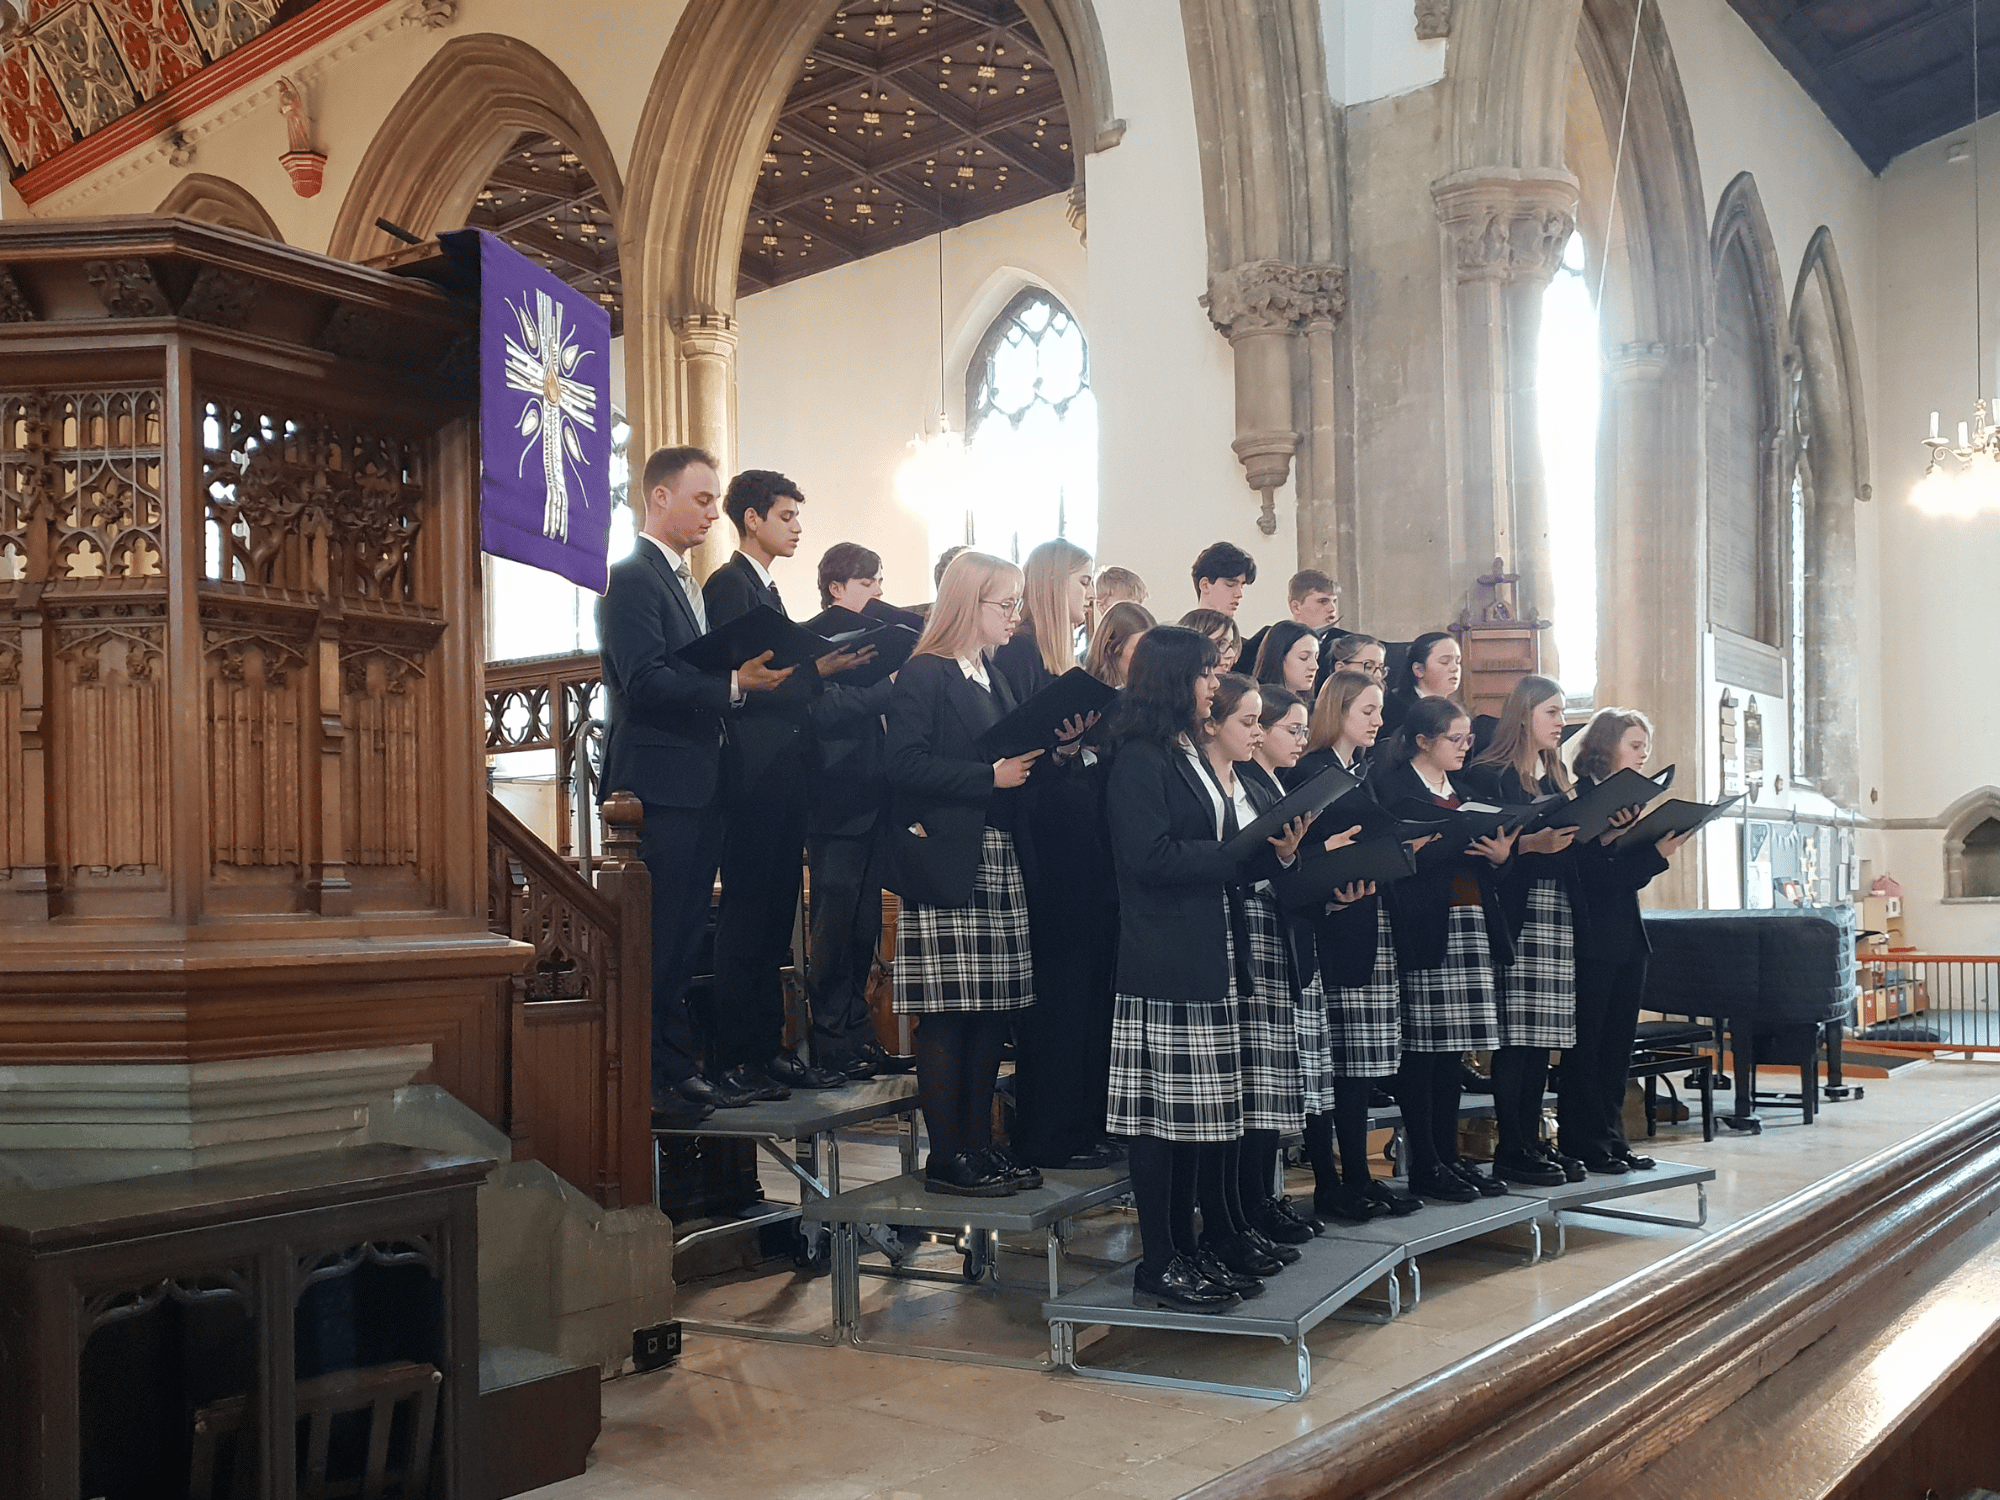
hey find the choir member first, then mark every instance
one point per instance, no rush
(1542, 900)
(1063, 1042)
(1430, 670)
(1352, 652)
(848, 802)
(1314, 602)
(1219, 627)
(1450, 931)
(1119, 631)
(1611, 949)
(1176, 1089)
(1221, 573)
(1289, 657)
(963, 961)
(1119, 586)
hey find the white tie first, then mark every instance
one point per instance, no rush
(694, 597)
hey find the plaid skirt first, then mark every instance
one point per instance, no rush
(1365, 1025)
(1315, 1050)
(1452, 1008)
(1176, 1066)
(976, 957)
(1266, 1025)
(1538, 989)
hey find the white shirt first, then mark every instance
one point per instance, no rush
(763, 573)
(1207, 780)
(974, 667)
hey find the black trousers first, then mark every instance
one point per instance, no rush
(763, 857)
(1062, 1058)
(680, 847)
(1590, 1099)
(846, 932)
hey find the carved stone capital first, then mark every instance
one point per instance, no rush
(1433, 20)
(1507, 225)
(1273, 296)
(707, 335)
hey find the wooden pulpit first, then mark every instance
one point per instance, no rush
(242, 800)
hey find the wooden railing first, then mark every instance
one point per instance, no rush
(537, 704)
(1820, 1347)
(1953, 996)
(579, 1063)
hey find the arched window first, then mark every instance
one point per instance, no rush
(1981, 853)
(533, 613)
(1031, 432)
(1568, 381)
(1972, 847)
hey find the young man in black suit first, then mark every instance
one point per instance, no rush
(765, 768)
(665, 747)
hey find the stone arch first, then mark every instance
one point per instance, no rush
(1833, 464)
(450, 129)
(217, 200)
(718, 90)
(1968, 815)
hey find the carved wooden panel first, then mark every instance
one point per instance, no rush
(254, 685)
(110, 709)
(381, 687)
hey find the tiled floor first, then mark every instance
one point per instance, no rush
(757, 1420)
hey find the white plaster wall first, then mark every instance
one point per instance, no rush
(1372, 51)
(837, 372)
(1169, 483)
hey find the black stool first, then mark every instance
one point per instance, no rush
(1664, 1047)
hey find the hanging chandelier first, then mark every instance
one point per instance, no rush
(1971, 482)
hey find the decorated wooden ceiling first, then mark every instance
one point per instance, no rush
(542, 201)
(1889, 74)
(77, 66)
(908, 116)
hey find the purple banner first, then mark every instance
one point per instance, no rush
(544, 414)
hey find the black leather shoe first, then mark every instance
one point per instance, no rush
(1349, 1205)
(884, 1060)
(1472, 1081)
(789, 1072)
(849, 1065)
(680, 1114)
(1444, 1185)
(1101, 1157)
(1241, 1254)
(965, 1176)
(1482, 1184)
(1606, 1166)
(1381, 1098)
(1529, 1171)
(1400, 1205)
(713, 1094)
(1017, 1175)
(1298, 1213)
(1278, 1250)
(1278, 1227)
(1180, 1288)
(755, 1083)
(1210, 1265)
(1572, 1169)
(1636, 1163)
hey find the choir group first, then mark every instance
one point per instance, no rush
(1179, 999)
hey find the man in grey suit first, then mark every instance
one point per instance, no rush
(665, 747)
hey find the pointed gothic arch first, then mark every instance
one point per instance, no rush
(448, 132)
(217, 200)
(1974, 874)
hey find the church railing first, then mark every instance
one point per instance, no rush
(538, 703)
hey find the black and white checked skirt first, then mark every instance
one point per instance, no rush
(1365, 1025)
(1264, 1019)
(1452, 1008)
(1315, 1050)
(1538, 989)
(976, 957)
(1176, 1066)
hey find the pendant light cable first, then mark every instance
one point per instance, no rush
(1618, 156)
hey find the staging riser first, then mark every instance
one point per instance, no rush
(809, 1112)
(905, 1201)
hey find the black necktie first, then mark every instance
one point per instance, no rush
(777, 599)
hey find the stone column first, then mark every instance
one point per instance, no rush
(1505, 230)
(708, 365)
(1259, 306)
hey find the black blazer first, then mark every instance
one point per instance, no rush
(850, 775)
(940, 780)
(1610, 881)
(768, 736)
(1502, 785)
(1344, 940)
(1265, 792)
(664, 744)
(1422, 910)
(1020, 662)
(1172, 875)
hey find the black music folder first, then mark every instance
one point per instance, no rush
(751, 635)
(1309, 801)
(1032, 726)
(1313, 883)
(1589, 812)
(1675, 816)
(892, 642)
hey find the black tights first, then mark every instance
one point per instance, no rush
(1163, 1187)
(1427, 1086)
(1347, 1122)
(958, 1058)
(1257, 1175)
(1520, 1077)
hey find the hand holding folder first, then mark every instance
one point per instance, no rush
(1308, 802)
(1038, 723)
(750, 636)
(1670, 818)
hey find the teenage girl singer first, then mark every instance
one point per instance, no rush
(963, 959)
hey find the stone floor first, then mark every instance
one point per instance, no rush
(756, 1419)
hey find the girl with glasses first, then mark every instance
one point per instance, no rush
(963, 959)
(1450, 932)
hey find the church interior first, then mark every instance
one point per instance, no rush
(1620, 343)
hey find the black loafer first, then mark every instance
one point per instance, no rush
(849, 1065)
(710, 1094)
(1606, 1166)
(1241, 1254)
(1528, 1171)
(1278, 1250)
(1443, 1185)
(886, 1061)
(1349, 1205)
(1572, 1169)
(789, 1072)
(1209, 1264)
(1298, 1213)
(1278, 1227)
(755, 1083)
(1400, 1205)
(1637, 1163)
(1478, 1181)
(1101, 1157)
(1020, 1177)
(965, 1176)
(1181, 1288)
